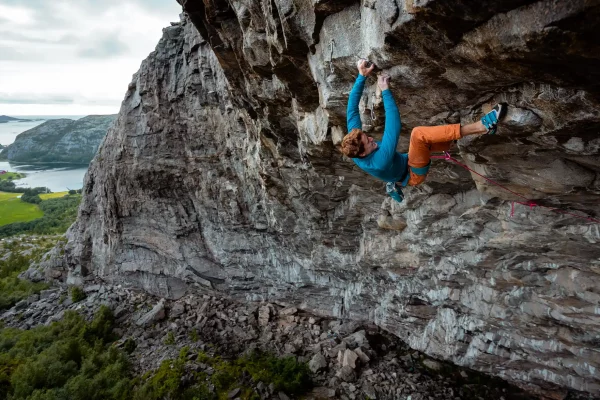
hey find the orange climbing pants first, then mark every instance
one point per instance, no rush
(427, 139)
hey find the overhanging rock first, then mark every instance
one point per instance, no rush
(221, 174)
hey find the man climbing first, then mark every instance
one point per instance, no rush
(380, 159)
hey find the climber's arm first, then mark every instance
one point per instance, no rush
(352, 113)
(391, 133)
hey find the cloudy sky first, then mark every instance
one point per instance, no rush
(75, 57)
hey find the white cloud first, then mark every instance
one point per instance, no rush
(75, 56)
(16, 15)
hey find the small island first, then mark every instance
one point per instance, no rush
(5, 118)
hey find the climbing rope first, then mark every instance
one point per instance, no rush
(531, 204)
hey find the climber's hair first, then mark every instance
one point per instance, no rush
(352, 144)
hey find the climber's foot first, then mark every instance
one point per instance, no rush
(491, 119)
(394, 190)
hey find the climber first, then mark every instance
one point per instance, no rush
(380, 159)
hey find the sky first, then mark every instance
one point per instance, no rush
(75, 57)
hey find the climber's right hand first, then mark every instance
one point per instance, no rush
(383, 81)
(364, 68)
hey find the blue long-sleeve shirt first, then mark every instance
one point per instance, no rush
(385, 162)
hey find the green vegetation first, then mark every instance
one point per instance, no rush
(168, 383)
(16, 257)
(47, 196)
(77, 294)
(75, 359)
(12, 209)
(70, 359)
(286, 374)
(31, 196)
(33, 210)
(58, 215)
(11, 176)
(170, 340)
(7, 185)
(129, 346)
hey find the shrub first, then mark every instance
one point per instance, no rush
(170, 339)
(287, 374)
(69, 359)
(73, 359)
(168, 382)
(129, 346)
(13, 289)
(77, 294)
(32, 198)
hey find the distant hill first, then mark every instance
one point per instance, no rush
(6, 118)
(60, 140)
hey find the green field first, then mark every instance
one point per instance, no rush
(12, 209)
(53, 195)
(11, 176)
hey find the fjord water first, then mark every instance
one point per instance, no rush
(56, 177)
(10, 130)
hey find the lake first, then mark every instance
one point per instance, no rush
(56, 177)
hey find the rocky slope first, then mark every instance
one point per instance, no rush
(348, 360)
(60, 140)
(221, 173)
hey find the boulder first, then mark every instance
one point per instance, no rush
(156, 314)
(317, 363)
(349, 359)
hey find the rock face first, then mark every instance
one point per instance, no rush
(222, 173)
(60, 140)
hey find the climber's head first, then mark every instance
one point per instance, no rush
(358, 144)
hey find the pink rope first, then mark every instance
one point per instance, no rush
(527, 202)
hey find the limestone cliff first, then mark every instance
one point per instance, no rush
(60, 140)
(221, 174)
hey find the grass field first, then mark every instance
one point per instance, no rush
(11, 176)
(12, 209)
(53, 195)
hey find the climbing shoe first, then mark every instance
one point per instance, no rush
(491, 119)
(395, 191)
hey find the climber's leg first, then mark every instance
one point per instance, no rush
(427, 139)
(424, 140)
(476, 128)
(487, 124)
